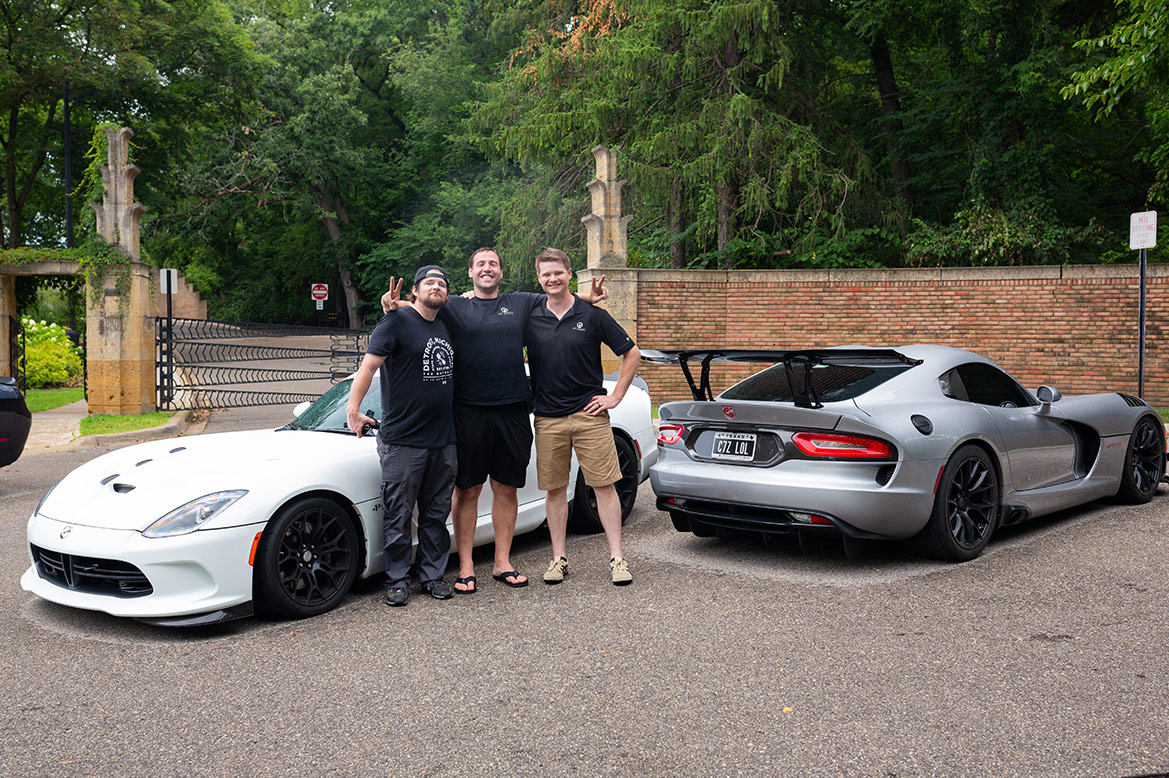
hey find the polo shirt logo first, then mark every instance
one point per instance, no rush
(580, 326)
(505, 311)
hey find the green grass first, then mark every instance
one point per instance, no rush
(1164, 414)
(48, 399)
(101, 424)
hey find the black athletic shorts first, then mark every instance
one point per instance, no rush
(495, 441)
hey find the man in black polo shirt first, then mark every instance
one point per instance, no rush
(416, 442)
(494, 435)
(564, 337)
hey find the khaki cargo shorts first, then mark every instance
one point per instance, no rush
(592, 439)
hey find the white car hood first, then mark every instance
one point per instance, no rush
(133, 487)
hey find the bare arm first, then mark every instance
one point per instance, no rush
(362, 379)
(603, 402)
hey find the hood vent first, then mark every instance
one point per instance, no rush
(1135, 402)
(123, 488)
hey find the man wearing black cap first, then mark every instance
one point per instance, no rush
(416, 442)
(491, 407)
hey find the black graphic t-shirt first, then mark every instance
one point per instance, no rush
(489, 339)
(417, 379)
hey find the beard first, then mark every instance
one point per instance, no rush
(434, 304)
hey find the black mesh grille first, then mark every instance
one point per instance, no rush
(1135, 402)
(90, 574)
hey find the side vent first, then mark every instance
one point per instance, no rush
(123, 488)
(1135, 402)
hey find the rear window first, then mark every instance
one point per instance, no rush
(831, 383)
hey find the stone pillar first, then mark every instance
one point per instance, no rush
(119, 346)
(7, 309)
(119, 329)
(607, 256)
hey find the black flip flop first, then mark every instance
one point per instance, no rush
(502, 578)
(464, 581)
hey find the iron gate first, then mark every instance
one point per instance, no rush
(16, 365)
(197, 362)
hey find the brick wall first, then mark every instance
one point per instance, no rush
(1074, 328)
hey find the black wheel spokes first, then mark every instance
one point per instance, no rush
(314, 556)
(1147, 456)
(627, 486)
(971, 503)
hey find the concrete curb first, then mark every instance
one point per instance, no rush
(176, 425)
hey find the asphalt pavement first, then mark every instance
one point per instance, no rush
(1046, 656)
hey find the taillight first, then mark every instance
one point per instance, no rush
(820, 444)
(668, 434)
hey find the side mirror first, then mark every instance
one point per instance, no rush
(1047, 394)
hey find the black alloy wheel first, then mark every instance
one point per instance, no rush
(1144, 462)
(966, 507)
(583, 519)
(307, 559)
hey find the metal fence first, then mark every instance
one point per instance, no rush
(198, 362)
(16, 364)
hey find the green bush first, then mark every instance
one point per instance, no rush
(50, 357)
(51, 363)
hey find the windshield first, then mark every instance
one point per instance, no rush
(831, 383)
(328, 412)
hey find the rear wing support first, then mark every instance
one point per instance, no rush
(797, 365)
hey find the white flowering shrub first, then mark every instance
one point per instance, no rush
(50, 357)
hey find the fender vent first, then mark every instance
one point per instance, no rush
(1135, 402)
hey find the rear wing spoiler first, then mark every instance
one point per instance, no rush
(797, 365)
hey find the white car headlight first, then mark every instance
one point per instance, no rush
(188, 518)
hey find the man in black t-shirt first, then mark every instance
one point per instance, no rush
(416, 442)
(564, 336)
(494, 435)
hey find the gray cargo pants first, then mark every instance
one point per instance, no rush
(425, 476)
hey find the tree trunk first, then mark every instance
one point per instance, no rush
(728, 193)
(891, 111)
(13, 199)
(676, 219)
(334, 217)
(726, 216)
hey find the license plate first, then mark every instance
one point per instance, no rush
(735, 446)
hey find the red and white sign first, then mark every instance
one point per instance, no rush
(1142, 230)
(319, 291)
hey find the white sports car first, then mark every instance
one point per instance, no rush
(208, 528)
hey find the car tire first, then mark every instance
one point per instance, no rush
(583, 519)
(307, 559)
(966, 508)
(1144, 462)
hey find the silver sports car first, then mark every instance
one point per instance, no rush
(925, 442)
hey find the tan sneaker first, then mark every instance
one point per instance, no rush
(557, 570)
(621, 574)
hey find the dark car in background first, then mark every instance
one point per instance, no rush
(15, 421)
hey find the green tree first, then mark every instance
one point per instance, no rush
(1130, 66)
(695, 94)
(163, 67)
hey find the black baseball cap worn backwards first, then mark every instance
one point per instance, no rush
(431, 271)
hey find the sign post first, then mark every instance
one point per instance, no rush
(1142, 235)
(168, 279)
(320, 293)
